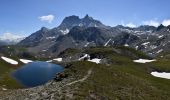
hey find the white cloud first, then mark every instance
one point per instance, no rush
(166, 22)
(10, 36)
(131, 25)
(47, 18)
(151, 23)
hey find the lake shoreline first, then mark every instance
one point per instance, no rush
(36, 73)
(43, 91)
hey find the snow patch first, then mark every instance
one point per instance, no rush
(25, 61)
(146, 43)
(153, 46)
(161, 75)
(159, 51)
(86, 55)
(58, 59)
(48, 38)
(80, 24)
(136, 47)
(86, 44)
(44, 50)
(107, 42)
(126, 45)
(95, 25)
(95, 60)
(168, 30)
(8, 60)
(64, 31)
(127, 30)
(143, 60)
(160, 36)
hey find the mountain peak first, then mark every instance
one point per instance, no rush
(69, 21)
(87, 17)
(168, 26)
(120, 26)
(73, 17)
(160, 27)
(44, 29)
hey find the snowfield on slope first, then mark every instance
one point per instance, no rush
(143, 60)
(126, 45)
(161, 75)
(95, 60)
(85, 56)
(25, 61)
(86, 44)
(107, 42)
(8, 60)
(58, 59)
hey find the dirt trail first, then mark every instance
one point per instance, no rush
(83, 79)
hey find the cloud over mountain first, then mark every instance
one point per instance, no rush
(166, 22)
(151, 23)
(11, 37)
(130, 25)
(47, 18)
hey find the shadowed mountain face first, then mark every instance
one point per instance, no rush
(80, 37)
(44, 38)
(87, 21)
(75, 32)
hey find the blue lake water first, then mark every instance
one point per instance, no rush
(36, 73)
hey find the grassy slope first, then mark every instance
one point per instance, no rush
(13, 52)
(124, 80)
(130, 81)
(5, 77)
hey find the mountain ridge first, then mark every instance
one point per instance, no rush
(75, 32)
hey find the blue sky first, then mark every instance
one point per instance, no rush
(23, 17)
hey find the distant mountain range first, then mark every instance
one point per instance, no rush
(75, 32)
